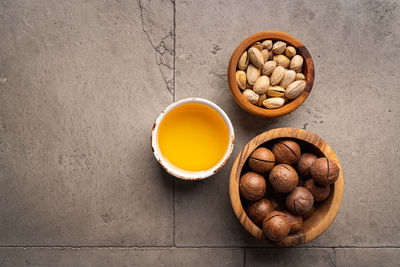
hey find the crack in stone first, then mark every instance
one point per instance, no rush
(221, 76)
(165, 55)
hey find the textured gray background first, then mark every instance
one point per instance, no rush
(81, 83)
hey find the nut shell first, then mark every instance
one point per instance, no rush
(241, 79)
(299, 201)
(258, 210)
(262, 160)
(296, 222)
(324, 171)
(279, 47)
(277, 75)
(288, 78)
(290, 51)
(243, 61)
(267, 44)
(252, 186)
(286, 152)
(256, 57)
(319, 192)
(261, 100)
(283, 178)
(252, 74)
(304, 164)
(276, 226)
(261, 85)
(296, 63)
(282, 60)
(309, 213)
(251, 96)
(268, 67)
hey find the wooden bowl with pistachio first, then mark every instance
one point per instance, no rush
(270, 74)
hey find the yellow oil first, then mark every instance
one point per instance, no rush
(193, 137)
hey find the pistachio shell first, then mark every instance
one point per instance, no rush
(300, 76)
(261, 85)
(275, 102)
(243, 61)
(296, 63)
(257, 45)
(261, 99)
(279, 47)
(255, 57)
(277, 75)
(252, 74)
(288, 78)
(265, 54)
(290, 51)
(251, 96)
(282, 60)
(275, 91)
(241, 79)
(268, 67)
(267, 44)
(298, 70)
(295, 89)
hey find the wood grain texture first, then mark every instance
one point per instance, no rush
(308, 70)
(325, 212)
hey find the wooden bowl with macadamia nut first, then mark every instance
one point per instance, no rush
(270, 74)
(286, 186)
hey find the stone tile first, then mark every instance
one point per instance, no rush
(377, 257)
(80, 88)
(290, 256)
(121, 257)
(353, 106)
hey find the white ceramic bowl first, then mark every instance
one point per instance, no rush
(184, 174)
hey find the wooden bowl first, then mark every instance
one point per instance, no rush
(325, 212)
(308, 70)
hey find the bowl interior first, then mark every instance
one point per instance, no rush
(324, 213)
(308, 71)
(181, 173)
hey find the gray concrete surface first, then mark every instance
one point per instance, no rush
(82, 82)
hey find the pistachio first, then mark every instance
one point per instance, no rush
(299, 70)
(279, 47)
(241, 79)
(296, 63)
(252, 74)
(255, 57)
(251, 96)
(275, 102)
(282, 60)
(243, 61)
(275, 91)
(257, 45)
(261, 85)
(288, 78)
(249, 86)
(265, 54)
(295, 89)
(268, 67)
(290, 51)
(277, 75)
(300, 76)
(261, 99)
(267, 44)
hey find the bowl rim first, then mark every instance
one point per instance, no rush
(184, 174)
(308, 69)
(336, 197)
